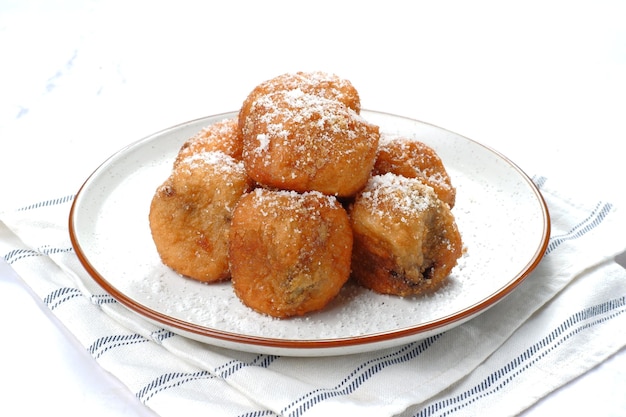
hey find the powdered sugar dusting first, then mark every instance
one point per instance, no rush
(404, 195)
(317, 83)
(218, 160)
(301, 141)
(273, 202)
(296, 107)
(410, 157)
(388, 138)
(222, 136)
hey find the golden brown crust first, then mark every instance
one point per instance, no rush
(190, 214)
(316, 83)
(414, 159)
(406, 241)
(289, 252)
(220, 136)
(302, 142)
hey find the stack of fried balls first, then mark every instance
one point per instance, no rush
(299, 194)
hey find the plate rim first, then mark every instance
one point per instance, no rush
(299, 347)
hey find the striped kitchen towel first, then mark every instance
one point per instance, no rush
(556, 325)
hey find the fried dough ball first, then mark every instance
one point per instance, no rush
(190, 214)
(406, 241)
(220, 136)
(289, 252)
(303, 142)
(316, 83)
(414, 159)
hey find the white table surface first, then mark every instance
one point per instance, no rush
(542, 82)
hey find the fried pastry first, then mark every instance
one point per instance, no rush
(317, 83)
(414, 159)
(191, 211)
(303, 142)
(220, 136)
(289, 252)
(406, 240)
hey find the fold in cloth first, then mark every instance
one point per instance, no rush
(564, 319)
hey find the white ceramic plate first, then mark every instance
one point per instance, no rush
(502, 217)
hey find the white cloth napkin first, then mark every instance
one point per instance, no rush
(565, 318)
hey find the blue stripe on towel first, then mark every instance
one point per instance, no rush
(592, 221)
(101, 299)
(106, 343)
(260, 413)
(229, 368)
(60, 296)
(169, 380)
(359, 376)
(160, 335)
(17, 254)
(175, 379)
(579, 322)
(539, 181)
(53, 202)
